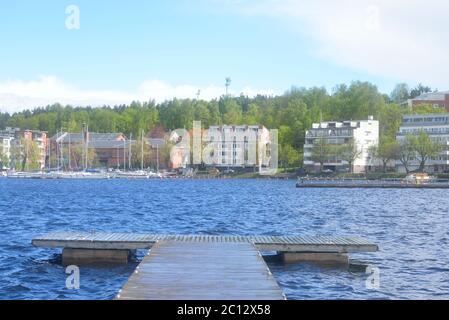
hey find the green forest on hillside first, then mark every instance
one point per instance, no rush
(292, 113)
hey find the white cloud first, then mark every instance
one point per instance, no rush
(16, 95)
(405, 40)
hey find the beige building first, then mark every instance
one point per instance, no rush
(238, 145)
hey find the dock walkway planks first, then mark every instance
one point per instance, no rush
(132, 241)
(198, 270)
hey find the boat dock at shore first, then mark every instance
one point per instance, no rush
(378, 184)
(200, 266)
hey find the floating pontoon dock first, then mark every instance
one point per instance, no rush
(200, 266)
(370, 184)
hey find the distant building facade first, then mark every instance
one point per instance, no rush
(15, 136)
(180, 153)
(224, 146)
(364, 133)
(111, 149)
(437, 127)
(238, 146)
(157, 141)
(436, 99)
(5, 150)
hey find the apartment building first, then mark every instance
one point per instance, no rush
(237, 146)
(15, 136)
(364, 133)
(437, 127)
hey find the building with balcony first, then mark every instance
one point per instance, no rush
(364, 134)
(437, 127)
(38, 137)
(237, 146)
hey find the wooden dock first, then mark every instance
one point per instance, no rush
(132, 241)
(195, 270)
(371, 185)
(201, 267)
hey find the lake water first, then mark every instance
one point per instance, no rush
(410, 226)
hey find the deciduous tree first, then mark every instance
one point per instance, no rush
(349, 152)
(424, 147)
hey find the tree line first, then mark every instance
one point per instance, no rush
(413, 147)
(291, 113)
(419, 147)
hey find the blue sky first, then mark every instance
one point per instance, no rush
(158, 49)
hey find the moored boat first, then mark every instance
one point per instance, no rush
(132, 175)
(419, 178)
(25, 175)
(76, 175)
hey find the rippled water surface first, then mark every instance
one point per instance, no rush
(410, 226)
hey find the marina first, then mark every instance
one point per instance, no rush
(85, 175)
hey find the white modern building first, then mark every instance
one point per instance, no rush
(437, 127)
(365, 133)
(237, 146)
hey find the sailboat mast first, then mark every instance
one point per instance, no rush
(61, 151)
(157, 157)
(26, 156)
(124, 154)
(87, 142)
(141, 160)
(49, 155)
(129, 151)
(70, 155)
(57, 151)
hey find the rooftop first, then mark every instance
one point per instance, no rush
(93, 136)
(110, 144)
(227, 126)
(12, 131)
(431, 96)
(341, 124)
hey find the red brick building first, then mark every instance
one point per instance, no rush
(111, 149)
(436, 99)
(41, 140)
(157, 140)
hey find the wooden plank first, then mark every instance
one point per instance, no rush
(132, 241)
(198, 270)
(331, 248)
